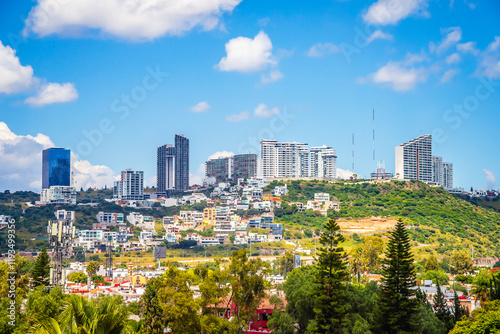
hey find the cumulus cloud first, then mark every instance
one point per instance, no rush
(200, 107)
(14, 77)
(378, 34)
(262, 111)
(21, 167)
(248, 55)
(53, 93)
(126, 19)
(322, 49)
(495, 45)
(449, 74)
(490, 178)
(489, 61)
(345, 174)
(399, 77)
(238, 117)
(220, 155)
(385, 12)
(272, 76)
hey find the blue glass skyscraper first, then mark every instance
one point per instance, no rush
(56, 167)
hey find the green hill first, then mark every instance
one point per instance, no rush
(438, 218)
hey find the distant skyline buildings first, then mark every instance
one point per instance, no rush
(165, 168)
(181, 162)
(56, 167)
(238, 166)
(323, 162)
(130, 187)
(284, 159)
(172, 166)
(414, 159)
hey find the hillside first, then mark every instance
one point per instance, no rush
(438, 218)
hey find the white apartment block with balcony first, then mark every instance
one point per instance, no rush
(442, 172)
(323, 162)
(284, 160)
(447, 175)
(414, 159)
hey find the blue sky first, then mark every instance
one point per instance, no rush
(232, 72)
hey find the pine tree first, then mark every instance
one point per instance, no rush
(331, 276)
(41, 269)
(441, 310)
(459, 310)
(397, 303)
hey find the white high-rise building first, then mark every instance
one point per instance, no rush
(131, 186)
(414, 159)
(447, 175)
(284, 159)
(323, 162)
(437, 170)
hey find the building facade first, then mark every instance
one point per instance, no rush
(284, 160)
(323, 162)
(447, 175)
(219, 168)
(414, 159)
(437, 170)
(244, 166)
(56, 167)
(165, 169)
(181, 162)
(130, 187)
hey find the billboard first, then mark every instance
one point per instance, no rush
(160, 252)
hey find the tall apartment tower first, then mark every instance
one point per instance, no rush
(244, 166)
(447, 175)
(414, 159)
(165, 169)
(437, 170)
(323, 162)
(181, 162)
(131, 186)
(56, 167)
(286, 160)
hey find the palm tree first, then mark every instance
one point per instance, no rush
(481, 289)
(106, 315)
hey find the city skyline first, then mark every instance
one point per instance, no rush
(113, 96)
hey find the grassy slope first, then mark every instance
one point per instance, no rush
(440, 219)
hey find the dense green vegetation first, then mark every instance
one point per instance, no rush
(437, 217)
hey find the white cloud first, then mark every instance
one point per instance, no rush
(53, 93)
(247, 55)
(399, 77)
(21, 167)
(127, 19)
(454, 58)
(262, 111)
(378, 34)
(272, 76)
(345, 174)
(469, 47)
(490, 177)
(14, 77)
(322, 49)
(221, 154)
(385, 12)
(489, 61)
(197, 178)
(238, 117)
(453, 36)
(413, 58)
(200, 107)
(449, 74)
(495, 45)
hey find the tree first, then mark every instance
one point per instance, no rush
(458, 310)
(152, 309)
(331, 277)
(482, 320)
(495, 286)
(280, 322)
(92, 268)
(440, 308)
(373, 248)
(77, 277)
(481, 288)
(398, 280)
(41, 269)
(299, 289)
(248, 283)
(437, 277)
(286, 263)
(432, 263)
(461, 263)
